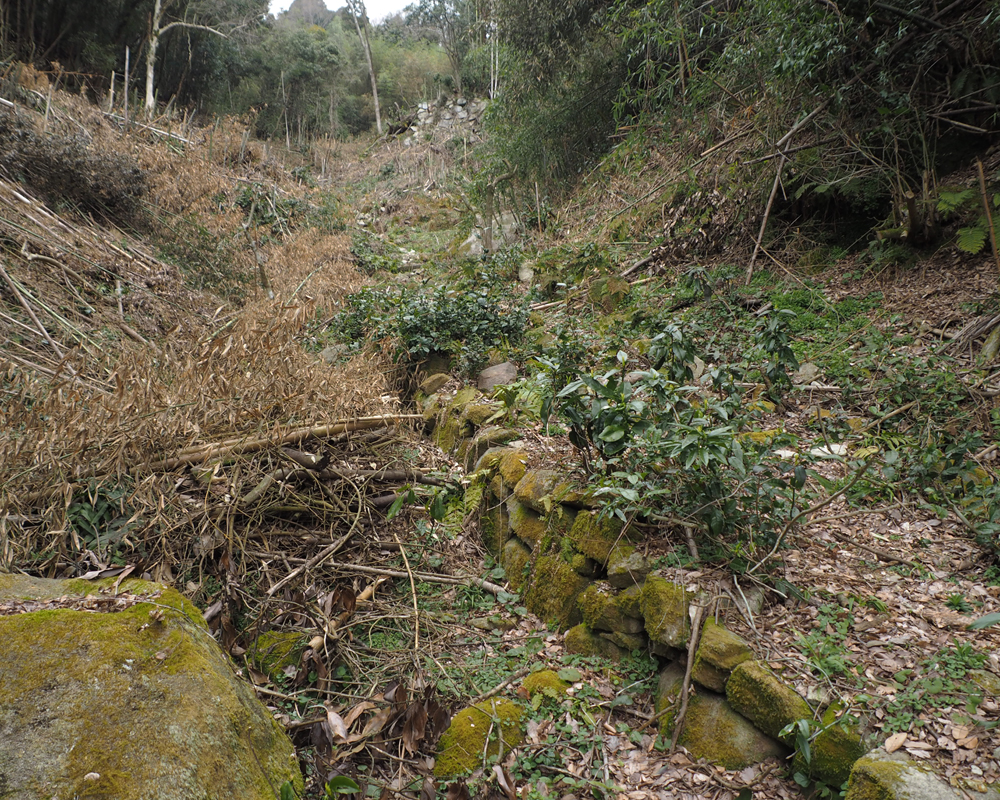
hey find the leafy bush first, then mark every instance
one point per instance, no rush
(465, 324)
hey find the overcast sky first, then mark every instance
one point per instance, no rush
(377, 9)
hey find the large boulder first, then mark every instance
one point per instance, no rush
(122, 692)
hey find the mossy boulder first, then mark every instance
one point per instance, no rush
(127, 695)
(601, 612)
(542, 489)
(595, 536)
(491, 728)
(514, 558)
(664, 607)
(626, 566)
(719, 652)
(476, 414)
(892, 776)
(553, 592)
(472, 448)
(507, 467)
(448, 434)
(273, 652)
(432, 383)
(628, 601)
(580, 639)
(760, 696)
(546, 682)
(512, 465)
(712, 730)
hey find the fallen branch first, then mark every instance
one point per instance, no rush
(699, 612)
(767, 213)
(317, 559)
(874, 551)
(429, 577)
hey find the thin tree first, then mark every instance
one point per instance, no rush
(360, 15)
(156, 31)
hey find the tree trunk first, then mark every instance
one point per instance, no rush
(360, 15)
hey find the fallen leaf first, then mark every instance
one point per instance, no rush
(894, 742)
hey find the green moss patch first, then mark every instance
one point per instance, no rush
(664, 607)
(484, 731)
(762, 698)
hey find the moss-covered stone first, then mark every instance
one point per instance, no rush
(595, 536)
(432, 383)
(628, 601)
(490, 460)
(760, 696)
(476, 414)
(512, 466)
(712, 728)
(629, 642)
(514, 558)
(601, 612)
(470, 450)
(275, 651)
(626, 566)
(719, 652)
(137, 702)
(546, 682)
(488, 729)
(526, 523)
(542, 489)
(664, 608)
(891, 776)
(553, 592)
(494, 527)
(834, 752)
(580, 639)
(582, 565)
(462, 398)
(448, 434)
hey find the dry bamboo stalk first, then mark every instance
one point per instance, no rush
(41, 328)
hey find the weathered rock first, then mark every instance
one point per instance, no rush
(626, 566)
(553, 592)
(478, 731)
(432, 383)
(629, 642)
(892, 776)
(495, 528)
(602, 613)
(595, 536)
(712, 728)
(628, 601)
(762, 698)
(514, 558)
(137, 702)
(512, 466)
(580, 639)
(335, 352)
(664, 607)
(542, 489)
(719, 653)
(806, 373)
(497, 375)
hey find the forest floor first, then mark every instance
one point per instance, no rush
(163, 382)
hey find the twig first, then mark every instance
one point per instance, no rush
(41, 328)
(500, 686)
(317, 559)
(811, 510)
(699, 612)
(767, 214)
(989, 214)
(430, 577)
(637, 266)
(874, 551)
(413, 595)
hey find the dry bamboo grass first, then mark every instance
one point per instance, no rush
(122, 385)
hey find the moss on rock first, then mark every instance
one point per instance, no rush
(601, 612)
(274, 651)
(834, 753)
(595, 536)
(626, 566)
(760, 696)
(580, 639)
(488, 729)
(719, 653)
(142, 697)
(885, 776)
(514, 558)
(546, 682)
(664, 607)
(526, 523)
(542, 489)
(553, 591)
(712, 728)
